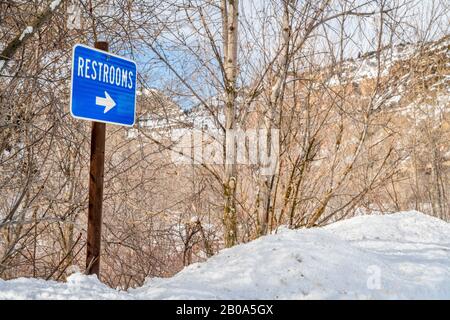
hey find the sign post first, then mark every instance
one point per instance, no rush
(96, 175)
(103, 90)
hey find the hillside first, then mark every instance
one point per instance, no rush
(400, 256)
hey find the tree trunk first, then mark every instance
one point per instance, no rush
(272, 119)
(230, 22)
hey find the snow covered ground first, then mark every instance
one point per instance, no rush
(400, 256)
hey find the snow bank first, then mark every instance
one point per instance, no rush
(78, 286)
(399, 256)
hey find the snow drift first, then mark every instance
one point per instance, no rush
(400, 256)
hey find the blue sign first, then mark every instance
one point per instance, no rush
(103, 86)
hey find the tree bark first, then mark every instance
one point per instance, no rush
(230, 43)
(272, 119)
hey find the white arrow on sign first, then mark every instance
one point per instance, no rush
(106, 102)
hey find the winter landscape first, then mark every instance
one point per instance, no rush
(225, 149)
(400, 256)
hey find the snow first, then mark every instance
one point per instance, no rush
(398, 256)
(54, 4)
(78, 286)
(26, 31)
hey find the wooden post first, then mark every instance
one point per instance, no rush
(96, 173)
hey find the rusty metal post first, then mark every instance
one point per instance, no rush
(96, 173)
